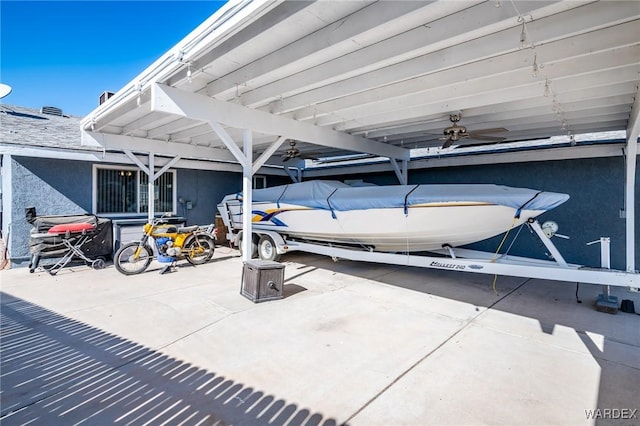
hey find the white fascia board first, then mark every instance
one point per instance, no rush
(109, 141)
(53, 153)
(199, 107)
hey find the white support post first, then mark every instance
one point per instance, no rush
(605, 262)
(152, 174)
(247, 189)
(633, 133)
(149, 171)
(150, 191)
(629, 197)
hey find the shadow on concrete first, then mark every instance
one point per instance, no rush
(552, 304)
(292, 289)
(56, 370)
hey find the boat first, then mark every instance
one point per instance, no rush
(390, 218)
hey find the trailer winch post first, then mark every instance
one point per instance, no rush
(605, 302)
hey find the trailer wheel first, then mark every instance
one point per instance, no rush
(254, 245)
(267, 249)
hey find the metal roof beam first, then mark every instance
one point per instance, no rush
(199, 107)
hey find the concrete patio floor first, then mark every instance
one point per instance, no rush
(351, 343)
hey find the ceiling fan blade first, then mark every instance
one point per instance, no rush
(447, 143)
(484, 131)
(487, 138)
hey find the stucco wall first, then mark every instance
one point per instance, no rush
(58, 187)
(205, 189)
(51, 186)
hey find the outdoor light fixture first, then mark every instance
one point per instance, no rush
(535, 66)
(547, 91)
(523, 34)
(139, 90)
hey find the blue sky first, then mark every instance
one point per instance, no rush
(66, 53)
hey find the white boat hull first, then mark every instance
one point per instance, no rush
(423, 228)
(394, 218)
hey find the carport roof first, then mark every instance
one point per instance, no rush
(382, 77)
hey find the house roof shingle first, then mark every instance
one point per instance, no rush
(29, 127)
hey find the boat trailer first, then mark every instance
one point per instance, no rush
(271, 244)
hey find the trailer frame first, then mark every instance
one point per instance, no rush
(449, 258)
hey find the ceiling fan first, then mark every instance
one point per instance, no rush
(456, 133)
(293, 152)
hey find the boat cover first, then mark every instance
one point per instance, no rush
(338, 196)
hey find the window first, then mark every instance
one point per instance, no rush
(259, 182)
(124, 190)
